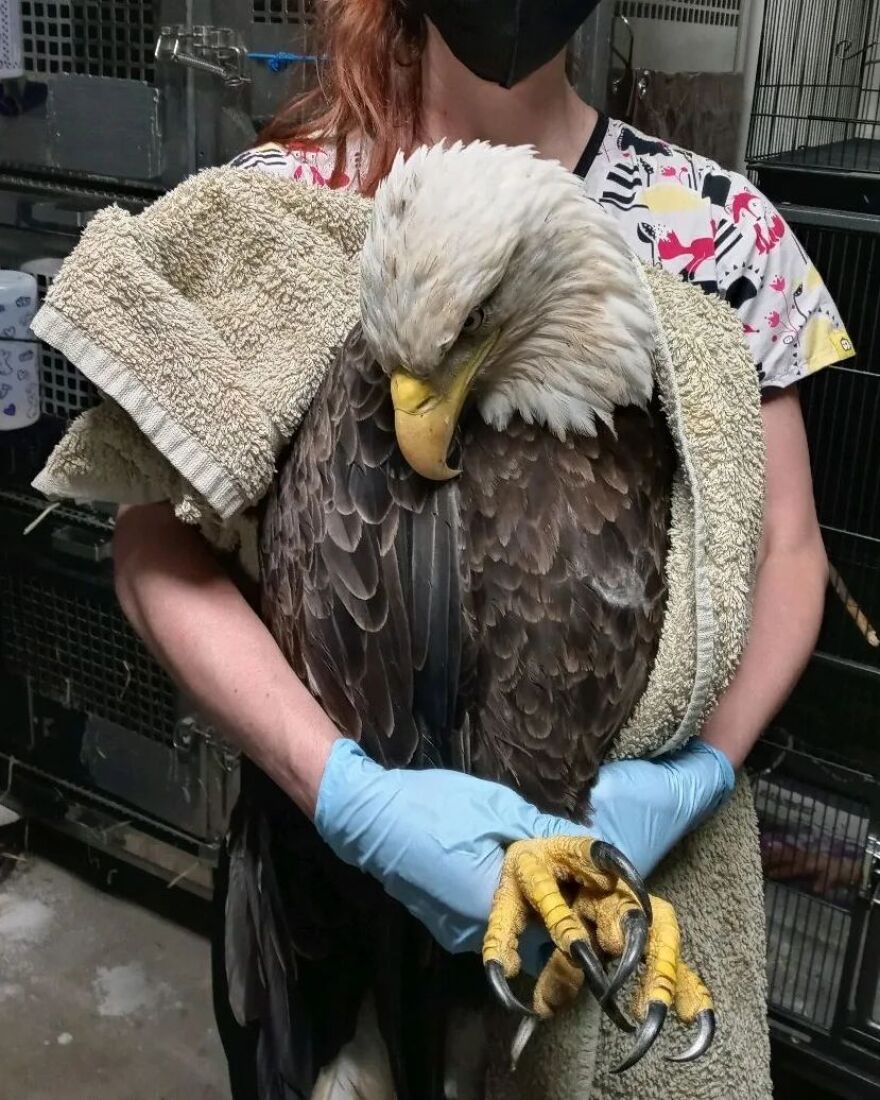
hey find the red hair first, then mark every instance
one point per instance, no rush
(369, 85)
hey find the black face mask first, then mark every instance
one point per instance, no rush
(504, 41)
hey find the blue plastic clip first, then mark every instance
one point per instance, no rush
(278, 62)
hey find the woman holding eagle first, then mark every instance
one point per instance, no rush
(402, 73)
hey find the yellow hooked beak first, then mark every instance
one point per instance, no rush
(425, 417)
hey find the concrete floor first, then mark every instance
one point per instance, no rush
(100, 997)
(105, 991)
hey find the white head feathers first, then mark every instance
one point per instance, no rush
(499, 231)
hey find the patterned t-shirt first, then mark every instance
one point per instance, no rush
(683, 212)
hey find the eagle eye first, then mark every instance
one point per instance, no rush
(474, 320)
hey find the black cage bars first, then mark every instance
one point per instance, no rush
(297, 12)
(72, 643)
(816, 815)
(842, 410)
(108, 38)
(61, 627)
(813, 851)
(817, 90)
(65, 391)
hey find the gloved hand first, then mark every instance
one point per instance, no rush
(435, 839)
(645, 807)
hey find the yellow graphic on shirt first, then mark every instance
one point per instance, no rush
(823, 343)
(813, 280)
(671, 198)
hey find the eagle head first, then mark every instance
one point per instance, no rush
(489, 275)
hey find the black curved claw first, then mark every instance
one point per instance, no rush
(597, 984)
(636, 936)
(496, 979)
(611, 860)
(648, 1031)
(705, 1035)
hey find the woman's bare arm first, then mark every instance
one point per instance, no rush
(789, 593)
(178, 598)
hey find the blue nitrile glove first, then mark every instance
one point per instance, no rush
(435, 839)
(645, 807)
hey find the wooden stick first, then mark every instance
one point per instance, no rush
(852, 608)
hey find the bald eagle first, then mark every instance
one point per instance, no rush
(463, 558)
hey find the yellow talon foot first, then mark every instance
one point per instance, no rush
(534, 875)
(693, 1005)
(667, 982)
(593, 902)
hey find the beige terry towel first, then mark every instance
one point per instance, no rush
(209, 320)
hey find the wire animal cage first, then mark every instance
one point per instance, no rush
(62, 629)
(176, 87)
(816, 108)
(65, 391)
(666, 35)
(89, 60)
(813, 845)
(818, 816)
(842, 411)
(111, 38)
(89, 682)
(75, 647)
(656, 85)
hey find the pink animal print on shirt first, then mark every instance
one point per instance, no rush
(748, 206)
(701, 249)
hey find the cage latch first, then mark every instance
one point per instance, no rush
(186, 734)
(226, 755)
(218, 51)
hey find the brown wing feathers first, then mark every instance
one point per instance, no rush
(567, 543)
(361, 574)
(521, 602)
